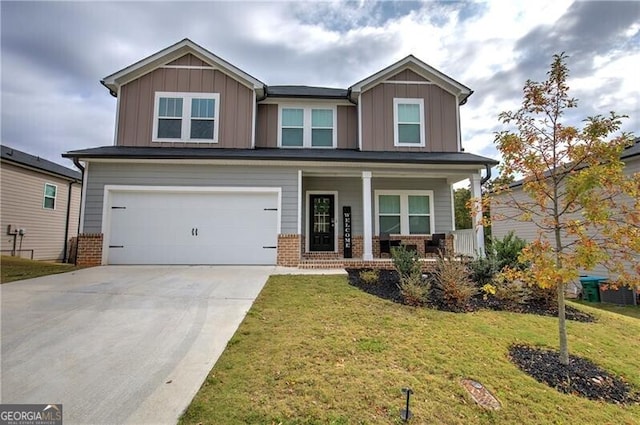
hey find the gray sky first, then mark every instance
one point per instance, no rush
(55, 53)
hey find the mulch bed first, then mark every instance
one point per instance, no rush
(386, 288)
(581, 377)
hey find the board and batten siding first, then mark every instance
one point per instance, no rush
(22, 206)
(439, 116)
(267, 126)
(210, 175)
(135, 118)
(441, 197)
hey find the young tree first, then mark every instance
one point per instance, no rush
(586, 210)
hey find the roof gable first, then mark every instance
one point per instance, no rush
(420, 68)
(166, 56)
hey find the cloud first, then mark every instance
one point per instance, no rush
(55, 53)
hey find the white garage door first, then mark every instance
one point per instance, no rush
(159, 227)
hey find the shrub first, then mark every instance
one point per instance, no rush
(506, 251)
(511, 294)
(370, 277)
(414, 290)
(487, 289)
(406, 262)
(544, 297)
(452, 284)
(483, 270)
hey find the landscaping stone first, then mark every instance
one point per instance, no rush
(481, 395)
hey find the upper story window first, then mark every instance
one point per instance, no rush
(50, 192)
(408, 212)
(307, 127)
(408, 122)
(186, 117)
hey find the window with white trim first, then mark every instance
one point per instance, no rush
(186, 117)
(408, 212)
(307, 127)
(50, 192)
(408, 122)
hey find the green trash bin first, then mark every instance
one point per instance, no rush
(591, 288)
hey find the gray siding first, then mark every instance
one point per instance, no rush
(101, 174)
(349, 194)
(528, 230)
(22, 206)
(441, 197)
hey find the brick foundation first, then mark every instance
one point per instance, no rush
(289, 250)
(89, 250)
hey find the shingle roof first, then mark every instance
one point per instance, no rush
(28, 160)
(329, 155)
(307, 91)
(632, 150)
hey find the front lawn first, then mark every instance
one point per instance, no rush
(15, 268)
(314, 349)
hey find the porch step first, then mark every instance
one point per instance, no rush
(321, 256)
(321, 264)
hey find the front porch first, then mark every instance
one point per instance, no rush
(351, 218)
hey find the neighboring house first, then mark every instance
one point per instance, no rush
(212, 166)
(526, 229)
(40, 206)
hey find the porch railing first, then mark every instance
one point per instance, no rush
(464, 242)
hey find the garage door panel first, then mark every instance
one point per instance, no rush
(160, 228)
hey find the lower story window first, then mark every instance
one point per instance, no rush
(404, 212)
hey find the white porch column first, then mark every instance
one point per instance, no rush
(476, 193)
(366, 219)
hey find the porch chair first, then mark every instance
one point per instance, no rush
(436, 245)
(386, 243)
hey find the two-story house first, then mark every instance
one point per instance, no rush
(212, 166)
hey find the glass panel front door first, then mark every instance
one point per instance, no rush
(321, 223)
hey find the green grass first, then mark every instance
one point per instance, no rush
(15, 268)
(625, 310)
(314, 350)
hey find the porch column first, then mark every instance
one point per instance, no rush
(476, 193)
(366, 219)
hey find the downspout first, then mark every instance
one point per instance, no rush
(486, 178)
(349, 97)
(264, 96)
(66, 224)
(76, 162)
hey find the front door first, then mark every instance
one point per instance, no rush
(321, 223)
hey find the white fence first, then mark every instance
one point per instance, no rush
(464, 242)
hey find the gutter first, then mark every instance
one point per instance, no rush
(111, 92)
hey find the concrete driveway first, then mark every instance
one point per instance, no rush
(120, 344)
